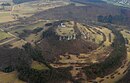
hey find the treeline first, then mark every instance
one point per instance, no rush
(21, 1)
(117, 19)
(112, 62)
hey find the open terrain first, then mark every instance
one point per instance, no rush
(23, 10)
(61, 43)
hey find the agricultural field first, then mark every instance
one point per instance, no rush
(93, 33)
(126, 34)
(107, 33)
(33, 38)
(4, 35)
(27, 9)
(18, 43)
(94, 36)
(9, 78)
(26, 33)
(19, 29)
(6, 17)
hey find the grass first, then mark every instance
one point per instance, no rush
(107, 32)
(29, 27)
(98, 38)
(5, 17)
(9, 78)
(18, 43)
(33, 38)
(126, 35)
(65, 31)
(38, 66)
(4, 35)
(27, 9)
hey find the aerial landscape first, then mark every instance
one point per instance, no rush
(64, 41)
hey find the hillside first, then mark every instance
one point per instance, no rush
(59, 40)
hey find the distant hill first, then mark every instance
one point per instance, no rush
(21, 1)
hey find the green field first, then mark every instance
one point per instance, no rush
(38, 66)
(4, 35)
(9, 78)
(28, 27)
(5, 17)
